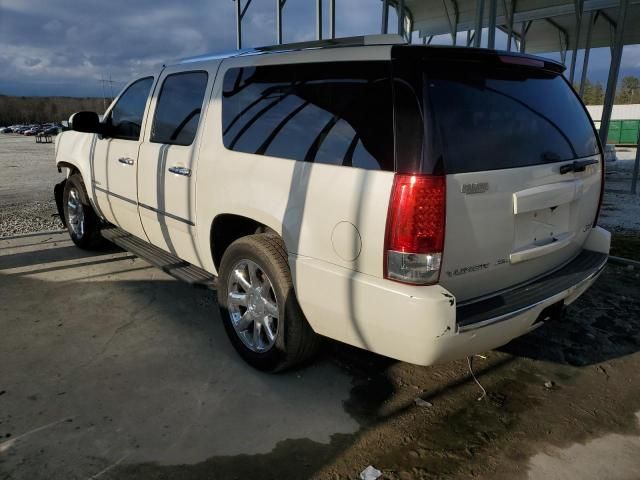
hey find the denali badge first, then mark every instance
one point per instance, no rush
(469, 188)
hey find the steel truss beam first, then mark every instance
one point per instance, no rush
(453, 22)
(534, 14)
(593, 16)
(562, 35)
(578, 12)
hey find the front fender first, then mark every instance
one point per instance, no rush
(73, 151)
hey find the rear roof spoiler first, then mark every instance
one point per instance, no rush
(447, 53)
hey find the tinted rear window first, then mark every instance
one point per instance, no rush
(456, 117)
(337, 113)
(505, 118)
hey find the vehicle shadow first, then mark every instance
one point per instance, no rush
(54, 253)
(601, 325)
(141, 364)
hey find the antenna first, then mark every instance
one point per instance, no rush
(104, 100)
(104, 82)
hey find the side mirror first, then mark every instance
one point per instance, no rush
(87, 122)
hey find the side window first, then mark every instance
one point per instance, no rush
(178, 110)
(125, 119)
(336, 113)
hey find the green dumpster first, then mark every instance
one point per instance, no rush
(629, 132)
(615, 130)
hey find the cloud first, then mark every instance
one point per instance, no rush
(66, 47)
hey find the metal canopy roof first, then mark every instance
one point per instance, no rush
(554, 21)
(532, 26)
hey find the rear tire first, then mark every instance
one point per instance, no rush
(82, 222)
(259, 307)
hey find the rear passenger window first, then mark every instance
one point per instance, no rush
(125, 119)
(332, 113)
(178, 109)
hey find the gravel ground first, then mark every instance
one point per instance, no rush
(26, 186)
(21, 218)
(621, 209)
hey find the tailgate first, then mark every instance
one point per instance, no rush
(505, 227)
(523, 169)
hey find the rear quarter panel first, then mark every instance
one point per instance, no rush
(335, 214)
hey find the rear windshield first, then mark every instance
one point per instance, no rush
(479, 119)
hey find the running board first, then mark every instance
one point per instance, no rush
(157, 257)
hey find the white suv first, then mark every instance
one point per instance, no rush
(424, 203)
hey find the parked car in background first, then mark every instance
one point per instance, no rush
(610, 158)
(329, 191)
(6, 130)
(51, 131)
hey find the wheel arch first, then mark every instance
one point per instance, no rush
(70, 166)
(226, 228)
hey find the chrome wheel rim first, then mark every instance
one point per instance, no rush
(253, 306)
(75, 212)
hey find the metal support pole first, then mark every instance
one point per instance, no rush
(279, 22)
(238, 25)
(401, 18)
(563, 39)
(493, 11)
(587, 51)
(385, 17)
(318, 19)
(511, 10)
(523, 35)
(636, 167)
(579, 8)
(479, 17)
(453, 23)
(614, 70)
(332, 18)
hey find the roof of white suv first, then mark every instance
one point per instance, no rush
(363, 40)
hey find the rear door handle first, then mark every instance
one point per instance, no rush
(576, 166)
(184, 171)
(126, 160)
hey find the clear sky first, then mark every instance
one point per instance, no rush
(65, 47)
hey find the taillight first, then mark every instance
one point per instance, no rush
(414, 239)
(602, 176)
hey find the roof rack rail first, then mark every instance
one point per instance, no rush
(387, 39)
(361, 40)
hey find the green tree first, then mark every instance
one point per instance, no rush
(628, 90)
(593, 93)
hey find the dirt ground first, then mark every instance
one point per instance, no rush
(151, 389)
(591, 360)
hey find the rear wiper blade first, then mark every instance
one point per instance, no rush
(576, 166)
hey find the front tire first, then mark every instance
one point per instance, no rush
(82, 222)
(259, 307)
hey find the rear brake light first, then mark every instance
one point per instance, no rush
(602, 176)
(527, 62)
(414, 239)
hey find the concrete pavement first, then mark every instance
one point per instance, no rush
(105, 360)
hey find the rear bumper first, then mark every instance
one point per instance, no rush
(423, 325)
(516, 301)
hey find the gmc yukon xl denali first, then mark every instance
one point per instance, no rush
(424, 203)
